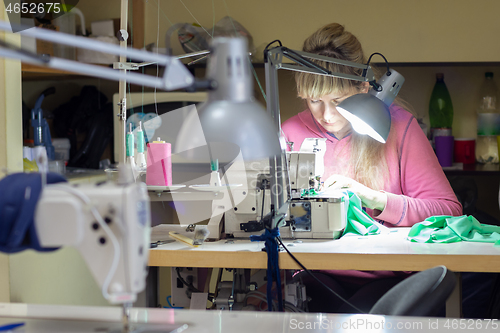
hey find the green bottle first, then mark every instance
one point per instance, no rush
(440, 106)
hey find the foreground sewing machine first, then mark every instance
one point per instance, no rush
(109, 224)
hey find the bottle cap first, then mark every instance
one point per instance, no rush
(488, 75)
(440, 76)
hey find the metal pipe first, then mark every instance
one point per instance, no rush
(122, 87)
(89, 44)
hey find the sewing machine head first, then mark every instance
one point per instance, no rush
(309, 216)
(109, 224)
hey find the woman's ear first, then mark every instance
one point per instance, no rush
(365, 86)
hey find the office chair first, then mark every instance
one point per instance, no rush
(422, 294)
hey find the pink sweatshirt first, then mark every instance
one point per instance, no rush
(417, 187)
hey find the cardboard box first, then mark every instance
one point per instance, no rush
(103, 28)
(44, 47)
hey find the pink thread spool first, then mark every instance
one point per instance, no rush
(159, 164)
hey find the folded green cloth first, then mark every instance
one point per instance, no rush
(450, 229)
(358, 221)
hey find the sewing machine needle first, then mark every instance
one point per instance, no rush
(126, 317)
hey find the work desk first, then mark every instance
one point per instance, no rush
(80, 319)
(389, 251)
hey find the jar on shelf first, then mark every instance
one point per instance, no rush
(488, 121)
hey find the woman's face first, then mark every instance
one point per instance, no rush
(324, 110)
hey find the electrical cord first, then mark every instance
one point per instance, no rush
(373, 83)
(266, 49)
(190, 286)
(263, 188)
(318, 280)
(170, 304)
(386, 62)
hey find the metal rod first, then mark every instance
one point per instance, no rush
(89, 44)
(332, 60)
(192, 54)
(122, 87)
(90, 70)
(318, 72)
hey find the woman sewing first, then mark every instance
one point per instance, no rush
(400, 182)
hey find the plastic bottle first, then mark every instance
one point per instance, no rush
(488, 121)
(440, 108)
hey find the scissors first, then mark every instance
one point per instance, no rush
(158, 243)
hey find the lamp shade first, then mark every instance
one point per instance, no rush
(245, 124)
(367, 115)
(231, 116)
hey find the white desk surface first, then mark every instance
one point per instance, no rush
(388, 251)
(79, 319)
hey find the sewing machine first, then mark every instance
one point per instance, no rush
(109, 224)
(310, 215)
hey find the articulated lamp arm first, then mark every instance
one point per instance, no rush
(368, 113)
(176, 75)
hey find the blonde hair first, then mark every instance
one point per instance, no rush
(367, 162)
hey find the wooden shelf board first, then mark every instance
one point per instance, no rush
(27, 68)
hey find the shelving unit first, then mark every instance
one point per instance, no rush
(32, 72)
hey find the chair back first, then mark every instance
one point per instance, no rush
(422, 294)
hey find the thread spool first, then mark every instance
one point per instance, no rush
(159, 163)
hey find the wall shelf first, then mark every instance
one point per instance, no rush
(32, 72)
(28, 68)
(475, 169)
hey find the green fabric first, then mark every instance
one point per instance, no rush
(358, 221)
(450, 229)
(308, 193)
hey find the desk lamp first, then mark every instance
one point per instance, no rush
(368, 113)
(231, 116)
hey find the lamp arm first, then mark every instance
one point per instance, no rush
(276, 55)
(273, 59)
(293, 55)
(176, 76)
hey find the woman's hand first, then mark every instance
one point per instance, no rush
(370, 198)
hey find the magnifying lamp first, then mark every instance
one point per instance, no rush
(369, 113)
